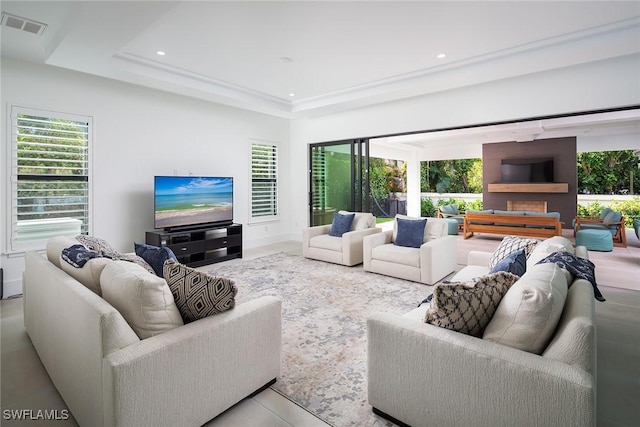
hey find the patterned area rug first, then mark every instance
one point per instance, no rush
(324, 311)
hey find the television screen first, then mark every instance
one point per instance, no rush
(181, 201)
(527, 170)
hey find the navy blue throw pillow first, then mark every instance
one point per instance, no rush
(341, 224)
(154, 256)
(515, 262)
(581, 268)
(410, 232)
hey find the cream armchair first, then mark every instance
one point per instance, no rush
(428, 264)
(345, 250)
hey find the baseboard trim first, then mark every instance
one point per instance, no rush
(389, 417)
(263, 388)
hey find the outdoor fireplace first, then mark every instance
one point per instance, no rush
(527, 205)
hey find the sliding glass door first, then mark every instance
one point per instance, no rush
(338, 179)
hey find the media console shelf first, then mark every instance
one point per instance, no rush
(201, 246)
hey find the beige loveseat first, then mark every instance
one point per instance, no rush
(424, 375)
(108, 376)
(432, 261)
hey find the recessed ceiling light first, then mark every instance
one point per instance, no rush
(292, 95)
(286, 59)
(161, 53)
(441, 55)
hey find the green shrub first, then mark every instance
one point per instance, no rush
(427, 208)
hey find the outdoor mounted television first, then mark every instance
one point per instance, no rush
(527, 170)
(188, 201)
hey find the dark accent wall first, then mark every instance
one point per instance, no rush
(563, 151)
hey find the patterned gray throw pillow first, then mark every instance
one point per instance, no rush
(511, 244)
(467, 307)
(198, 294)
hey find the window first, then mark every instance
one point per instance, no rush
(264, 181)
(49, 176)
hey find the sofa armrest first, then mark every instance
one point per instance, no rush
(421, 373)
(370, 242)
(310, 232)
(190, 374)
(352, 245)
(437, 259)
(481, 258)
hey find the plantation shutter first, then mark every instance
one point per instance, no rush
(50, 176)
(264, 180)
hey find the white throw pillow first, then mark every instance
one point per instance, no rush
(549, 246)
(529, 312)
(143, 299)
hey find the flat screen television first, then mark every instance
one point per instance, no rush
(182, 202)
(527, 170)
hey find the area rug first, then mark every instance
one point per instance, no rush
(324, 312)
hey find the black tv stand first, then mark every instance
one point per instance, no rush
(201, 246)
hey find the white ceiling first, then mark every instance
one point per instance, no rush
(343, 54)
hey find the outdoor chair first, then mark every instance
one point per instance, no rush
(608, 220)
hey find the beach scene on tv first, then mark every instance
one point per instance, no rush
(181, 201)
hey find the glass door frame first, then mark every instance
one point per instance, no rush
(360, 200)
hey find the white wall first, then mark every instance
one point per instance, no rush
(593, 86)
(139, 133)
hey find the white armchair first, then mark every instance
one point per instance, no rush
(428, 264)
(345, 250)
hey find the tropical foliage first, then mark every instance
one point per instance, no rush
(607, 172)
(451, 176)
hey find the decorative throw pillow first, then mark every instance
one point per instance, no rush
(144, 300)
(468, 307)
(154, 256)
(341, 224)
(97, 244)
(515, 262)
(509, 245)
(410, 232)
(198, 294)
(529, 313)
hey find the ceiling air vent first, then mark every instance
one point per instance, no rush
(24, 24)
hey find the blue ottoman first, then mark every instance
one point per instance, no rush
(595, 240)
(452, 225)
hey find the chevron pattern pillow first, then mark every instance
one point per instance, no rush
(511, 244)
(467, 307)
(198, 294)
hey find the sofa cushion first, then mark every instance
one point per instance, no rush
(451, 209)
(341, 224)
(555, 215)
(88, 274)
(529, 312)
(500, 212)
(154, 256)
(396, 254)
(574, 338)
(324, 241)
(549, 246)
(515, 262)
(198, 294)
(144, 299)
(468, 307)
(54, 248)
(410, 232)
(578, 267)
(511, 244)
(361, 220)
(485, 211)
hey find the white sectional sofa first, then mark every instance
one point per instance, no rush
(424, 375)
(108, 376)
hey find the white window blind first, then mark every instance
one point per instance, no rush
(49, 176)
(264, 180)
